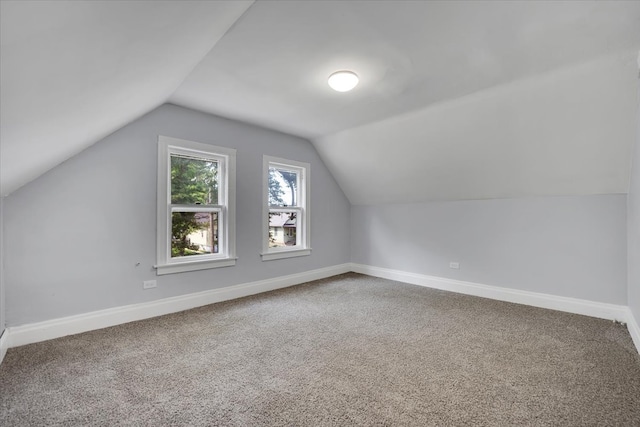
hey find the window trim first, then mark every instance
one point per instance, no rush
(227, 199)
(303, 240)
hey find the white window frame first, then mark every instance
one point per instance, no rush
(303, 237)
(226, 158)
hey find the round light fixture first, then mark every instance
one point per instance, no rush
(343, 81)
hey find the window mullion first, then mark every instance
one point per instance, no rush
(195, 208)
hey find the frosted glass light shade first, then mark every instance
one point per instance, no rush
(343, 81)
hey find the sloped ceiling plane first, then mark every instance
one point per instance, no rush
(456, 100)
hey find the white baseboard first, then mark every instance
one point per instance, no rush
(535, 299)
(634, 329)
(26, 334)
(4, 344)
(42, 331)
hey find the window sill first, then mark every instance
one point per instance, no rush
(194, 265)
(268, 256)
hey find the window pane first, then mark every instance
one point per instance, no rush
(282, 229)
(283, 187)
(194, 181)
(194, 233)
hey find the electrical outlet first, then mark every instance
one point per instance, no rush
(148, 284)
(455, 265)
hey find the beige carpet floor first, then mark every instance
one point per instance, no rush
(349, 350)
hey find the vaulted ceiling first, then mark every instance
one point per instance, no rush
(457, 100)
(72, 72)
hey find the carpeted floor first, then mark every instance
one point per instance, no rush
(349, 350)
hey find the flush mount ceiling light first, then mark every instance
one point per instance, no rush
(343, 81)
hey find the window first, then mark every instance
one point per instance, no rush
(196, 204)
(285, 228)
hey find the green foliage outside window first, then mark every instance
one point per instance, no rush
(193, 182)
(275, 190)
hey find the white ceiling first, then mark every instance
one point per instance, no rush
(71, 72)
(271, 68)
(467, 99)
(567, 132)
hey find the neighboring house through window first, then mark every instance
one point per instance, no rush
(286, 216)
(196, 206)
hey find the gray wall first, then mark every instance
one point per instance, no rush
(566, 246)
(2, 298)
(77, 232)
(633, 227)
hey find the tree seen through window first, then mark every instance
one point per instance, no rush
(194, 182)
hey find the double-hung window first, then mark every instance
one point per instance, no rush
(196, 206)
(285, 229)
